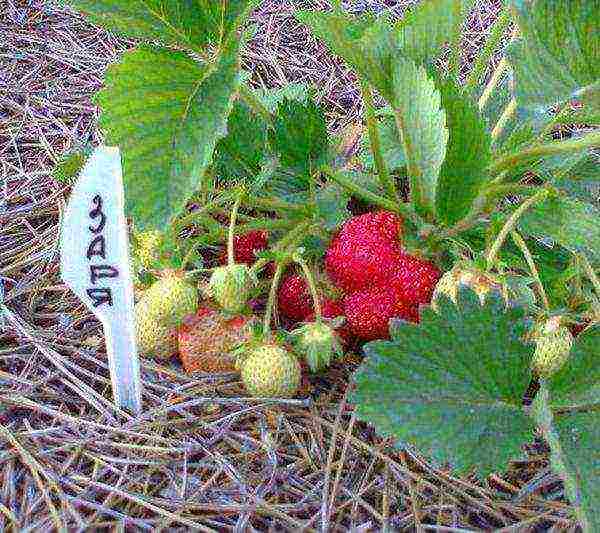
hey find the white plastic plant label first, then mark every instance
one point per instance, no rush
(95, 265)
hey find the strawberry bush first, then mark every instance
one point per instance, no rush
(462, 242)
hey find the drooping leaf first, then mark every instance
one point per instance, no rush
(463, 172)
(299, 136)
(574, 382)
(71, 164)
(422, 126)
(571, 223)
(558, 55)
(365, 43)
(239, 154)
(574, 441)
(423, 31)
(451, 385)
(331, 206)
(166, 112)
(390, 145)
(173, 22)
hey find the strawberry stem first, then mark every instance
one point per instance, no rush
(520, 242)
(234, 212)
(511, 223)
(271, 302)
(387, 183)
(312, 286)
(591, 274)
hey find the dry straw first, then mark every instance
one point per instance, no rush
(201, 456)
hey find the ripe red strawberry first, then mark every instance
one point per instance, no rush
(333, 309)
(294, 300)
(383, 224)
(368, 312)
(245, 247)
(415, 279)
(365, 251)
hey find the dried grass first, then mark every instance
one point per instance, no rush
(201, 456)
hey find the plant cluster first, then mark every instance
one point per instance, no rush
(461, 192)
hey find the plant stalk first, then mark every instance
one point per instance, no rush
(312, 286)
(511, 223)
(232, 221)
(492, 42)
(560, 147)
(591, 274)
(520, 242)
(387, 183)
(271, 302)
(507, 114)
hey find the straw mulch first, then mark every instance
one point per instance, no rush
(201, 456)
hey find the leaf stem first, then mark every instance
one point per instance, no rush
(483, 59)
(520, 242)
(507, 114)
(232, 221)
(271, 302)
(511, 223)
(402, 208)
(591, 274)
(492, 83)
(387, 183)
(312, 286)
(560, 147)
(255, 104)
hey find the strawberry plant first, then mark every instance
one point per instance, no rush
(460, 184)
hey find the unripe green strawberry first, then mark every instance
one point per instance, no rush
(147, 249)
(480, 282)
(553, 346)
(169, 299)
(230, 287)
(269, 370)
(318, 343)
(154, 339)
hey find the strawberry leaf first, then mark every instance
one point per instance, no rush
(166, 112)
(574, 441)
(463, 173)
(390, 145)
(423, 31)
(571, 223)
(172, 22)
(558, 56)
(451, 385)
(240, 153)
(331, 206)
(578, 381)
(299, 136)
(422, 126)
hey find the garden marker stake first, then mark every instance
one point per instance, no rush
(95, 265)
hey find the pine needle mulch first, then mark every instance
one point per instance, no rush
(202, 456)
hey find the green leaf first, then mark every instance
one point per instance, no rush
(365, 43)
(451, 385)
(166, 112)
(331, 203)
(428, 26)
(240, 153)
(558, 55)
(463, 173)
(69, 166)
(173, 22)
(571, 223)
(574, 382)
(422, 126)
(299, 136)
(271, 98)
(574, 441)
(391, 146)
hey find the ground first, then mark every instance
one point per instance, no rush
(201, 456)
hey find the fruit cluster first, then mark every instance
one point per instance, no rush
(365, 260)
